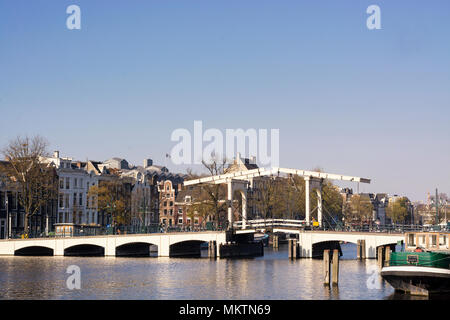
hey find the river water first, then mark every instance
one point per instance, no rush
(272, 276)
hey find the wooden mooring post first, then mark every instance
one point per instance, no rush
(358, 249)
(326, 267)
(363, 249)
(292, 249)
(335, 267)
(380, 256)
(212, 249)
(275, 241)
(387, 256)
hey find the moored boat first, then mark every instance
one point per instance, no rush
(262, 237)
(423, 268)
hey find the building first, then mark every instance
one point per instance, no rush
(74, 204)
(12, 214)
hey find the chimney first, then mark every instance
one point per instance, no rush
(253, 160)
(148, 163)
(56, 154)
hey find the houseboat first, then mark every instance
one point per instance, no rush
(423, 268)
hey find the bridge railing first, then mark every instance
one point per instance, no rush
(301, 224)
(257, 223)
(121, 230)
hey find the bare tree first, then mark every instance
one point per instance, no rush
(35, 182)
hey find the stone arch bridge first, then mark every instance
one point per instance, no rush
(310, 240)
(168, 244)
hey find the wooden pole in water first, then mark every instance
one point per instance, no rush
(275, 241)
(380, 256)
(335, 266)
(294, 249)
(212, 249)
(290, 248)
(363, 249)
(387, 255)
(326, 267)
(358, 250)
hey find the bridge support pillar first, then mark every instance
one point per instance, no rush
(164, 247)
(244, 208)
(307, 212)
(230, 204)
(319, 204)
(110, 250)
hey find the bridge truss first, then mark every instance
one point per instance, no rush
(241, 180)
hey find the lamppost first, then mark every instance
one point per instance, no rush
(8, 217)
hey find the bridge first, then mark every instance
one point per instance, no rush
(242, 180)
(312, 243)
(168, 244)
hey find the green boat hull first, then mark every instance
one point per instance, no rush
(418, 273)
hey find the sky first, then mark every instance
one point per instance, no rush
(353, 101)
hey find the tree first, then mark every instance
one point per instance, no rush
(397, 210)
(35, 182)
(113, 199)
(358, 209)
(209, 197)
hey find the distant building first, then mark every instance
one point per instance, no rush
(74, 206)
(11, 212)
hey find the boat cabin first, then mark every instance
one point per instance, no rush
(431, 241)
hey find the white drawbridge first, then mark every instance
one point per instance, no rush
(240, 180)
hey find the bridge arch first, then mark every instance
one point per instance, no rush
(320, 246)
(136, 249)
(186, 248)
(85, 250)
(34, 250)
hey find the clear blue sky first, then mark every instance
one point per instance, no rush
(371, 103)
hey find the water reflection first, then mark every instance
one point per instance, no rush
(273, 276)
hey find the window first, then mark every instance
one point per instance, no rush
(61, 183)
(81, 183)
(66, 200)
(80, 197)
(60, 217)
(75, 182)
(422, 240)
(171, 204)
(171, 212)
(67, 183)
(442, 240)
(180, 221)
(165, 203)
(61, 200)
(165, 211)
(180, 211)
(434, 240)
(74, 199)
(196, 221)
(411, 240)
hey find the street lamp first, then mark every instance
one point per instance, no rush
(8, 217)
